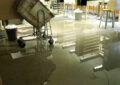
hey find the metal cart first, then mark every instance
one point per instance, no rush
(38, 15)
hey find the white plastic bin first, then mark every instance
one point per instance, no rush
(78, 14)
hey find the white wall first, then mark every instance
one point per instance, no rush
(69, 1)
(42, 0)
(118, 4)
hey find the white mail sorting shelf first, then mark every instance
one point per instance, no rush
(28, 9)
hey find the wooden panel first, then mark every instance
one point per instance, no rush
(8, 9)
(92, 3)
(112, 4)
(117, 11)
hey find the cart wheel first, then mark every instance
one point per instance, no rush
(44, 36)
(21, 42)
(51, 41)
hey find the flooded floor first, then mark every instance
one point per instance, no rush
(41, 64)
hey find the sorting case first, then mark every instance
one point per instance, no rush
(28, 10)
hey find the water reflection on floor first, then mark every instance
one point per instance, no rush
(28, 66)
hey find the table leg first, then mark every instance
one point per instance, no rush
(113, 20)
(101, 18)
(0, 24)
(99, 10)
(106, 20)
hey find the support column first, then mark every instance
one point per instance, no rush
(86, 11)
(119, 16)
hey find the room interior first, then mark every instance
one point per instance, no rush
(60, 42)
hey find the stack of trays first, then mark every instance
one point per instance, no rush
(87, 43)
